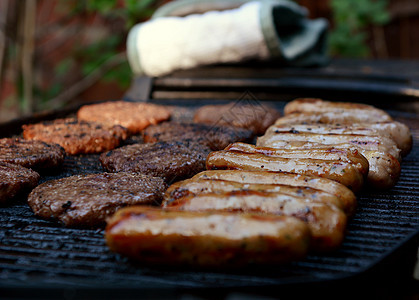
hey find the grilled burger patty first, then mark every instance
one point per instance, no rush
(76, 137)
(172, 161)
(14, 179)
(216, 137)
(254, 117)
(31, 153)
(87, 200)
(131, 115)
(206, 239)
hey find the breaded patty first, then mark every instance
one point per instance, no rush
(15, 179)
(87, 200)
(131, 115)
(76, 137)
(214, 136)
(31, 153)
(172, 161)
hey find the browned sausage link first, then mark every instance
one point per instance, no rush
(344, 117)
(297, 180)
(327, 223)
(349, 155)
(384, 169)
(315, 106)
(339, 171)
(194, 187)
(208, 239)
(396, 131)
(358, 141)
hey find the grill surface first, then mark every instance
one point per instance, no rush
(39, 254)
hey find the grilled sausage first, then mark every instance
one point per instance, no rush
(278, 140)
(337, 170)
(396, 131)
(344, 117)
(327, 223)
(345, 195)
(349, 155)
(206, 239)
(194, 187)
(309, 105)
(384, 169)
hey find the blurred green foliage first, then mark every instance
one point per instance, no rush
(92, 56)
(351, 20)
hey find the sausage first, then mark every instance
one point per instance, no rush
(206, 239)
(396, 131)
(384, 169)
(343, 117)
(349, 155)
(377, 143)
(332, 187)
(315, 106)
(327, 223)
(195, 187)
(337, 170)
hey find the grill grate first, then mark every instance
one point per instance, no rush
(40, 253)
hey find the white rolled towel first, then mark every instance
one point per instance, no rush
(249, 31)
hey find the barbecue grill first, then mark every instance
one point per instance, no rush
(40, 258)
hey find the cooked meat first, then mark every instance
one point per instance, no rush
(195, 187)
(88, 200)
(360, 142)
(131, 115)
(216, 137)
(384, 169)
(315, 106)
(31, 154)
(396, 131)
(336, 189)
(344, 117)
(15, 179)
(172, 161)
(349, 155)
(76, 137)
(256, 117)
(206, 239)
(327, 223)
(337, 170)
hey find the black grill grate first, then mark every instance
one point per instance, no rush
(39, 253)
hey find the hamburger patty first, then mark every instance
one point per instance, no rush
(131, 115)
(31, 153)
(76, 136)
(14, 179)
(87, 200)
(254, 117)
(214, 136)
(172, 161)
